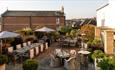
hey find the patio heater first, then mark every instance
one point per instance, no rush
(83, 59)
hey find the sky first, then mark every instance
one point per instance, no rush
(72, 8)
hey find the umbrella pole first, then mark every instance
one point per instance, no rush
(1, 48)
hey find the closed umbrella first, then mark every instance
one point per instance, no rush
(6, 34)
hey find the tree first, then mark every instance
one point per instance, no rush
(89, 30)
(64, 29)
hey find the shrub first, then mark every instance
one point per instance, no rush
(3, 59)
(30, 64)
(106, 64)
(98, 54)
(95, 44)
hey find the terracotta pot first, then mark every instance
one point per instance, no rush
(3, 67)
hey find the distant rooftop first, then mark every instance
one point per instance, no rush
(32, 13)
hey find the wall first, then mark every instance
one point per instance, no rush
(108, 42)
(102, 14)
(107, 13)
(17, 23)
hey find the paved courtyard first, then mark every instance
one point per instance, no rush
(44, 60)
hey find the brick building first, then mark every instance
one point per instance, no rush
(16, 20)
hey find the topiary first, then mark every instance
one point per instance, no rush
(30, 64)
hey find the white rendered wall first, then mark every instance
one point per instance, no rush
(111, 16)
(107, 13)
(102, 14)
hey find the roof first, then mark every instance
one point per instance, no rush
(33, 13)
(102, 7)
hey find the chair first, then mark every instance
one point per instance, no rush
(70, 64)
(29, 42)
(57, 51)
(37, 51)
(46, 45)
(41, 47)
(24, 44)
(55, 62)
(72, 43)
(10, 49)
(31, 53)
(65, 44)
(18, 46)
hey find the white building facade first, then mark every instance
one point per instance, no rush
(106, 15)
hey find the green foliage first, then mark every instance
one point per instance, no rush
(104, 64)
(94, 42)
(107, 63)
(64, 29)
(90, 55)
(112, 61)
(3, 59)
(73, 33)
(26, 31)
(89, 30)
(98, 54)
(30, 64)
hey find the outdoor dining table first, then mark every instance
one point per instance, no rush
(22, 51)
(62, 55)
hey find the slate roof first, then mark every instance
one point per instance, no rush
(32, 13)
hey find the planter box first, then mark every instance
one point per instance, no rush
(3, 67)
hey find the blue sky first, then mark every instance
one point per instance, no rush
(72, 8)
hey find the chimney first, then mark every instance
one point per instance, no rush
(62, 9)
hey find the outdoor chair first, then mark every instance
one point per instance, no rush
(72, 43)
(55, 62)
(41, 47)
(65, 44)
(10, 49)
(31, 53)
(60, 43)
(18, 46)
(36, 51)
(46, 45)
(70, 64)
(41, 41)
(24, 44)
(29, 42)
(57, 51)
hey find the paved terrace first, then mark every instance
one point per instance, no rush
(44, 60)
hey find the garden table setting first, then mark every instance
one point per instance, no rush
(62, 54)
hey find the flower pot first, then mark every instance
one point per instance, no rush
(3, 67)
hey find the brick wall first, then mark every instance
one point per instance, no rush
(97, 32)
(109, 42)
(17, 23)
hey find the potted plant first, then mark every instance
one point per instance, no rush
(30, 64)
(3, 61)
